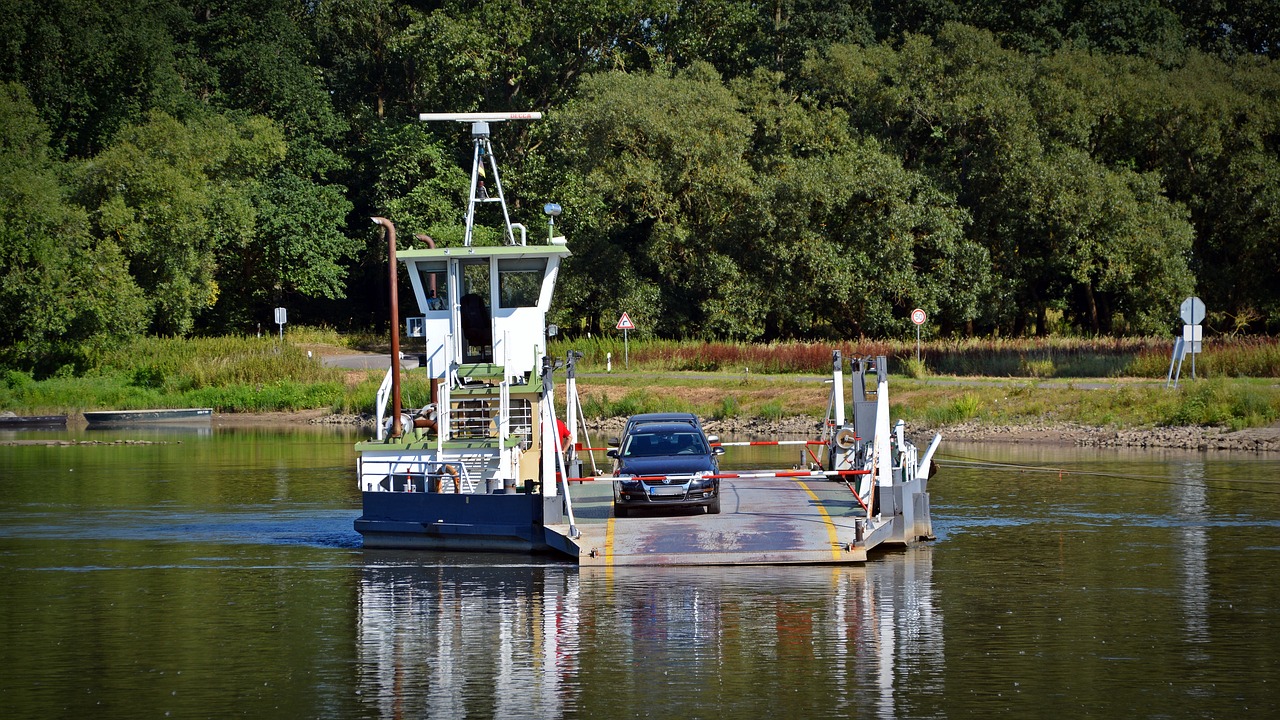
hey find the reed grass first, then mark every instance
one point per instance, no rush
(229, 374)
(1053, 357)
(188, 364)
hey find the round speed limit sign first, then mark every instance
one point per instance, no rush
(917, 316)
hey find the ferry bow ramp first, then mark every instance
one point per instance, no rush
(764, 522)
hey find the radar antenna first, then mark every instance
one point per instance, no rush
(483, 149)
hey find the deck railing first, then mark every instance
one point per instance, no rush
(441, 474)
(384, 395)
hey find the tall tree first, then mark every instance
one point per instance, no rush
(663, 162)
(986, 123)
(258, 57)
(172, 195)
(849, 241)
(745, 215)
(94, 66)
(62, 295)
(1235, 29)
(1209, 128)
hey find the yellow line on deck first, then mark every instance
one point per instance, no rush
(826, 519)
(608, 543)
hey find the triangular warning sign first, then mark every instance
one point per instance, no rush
(624, 323)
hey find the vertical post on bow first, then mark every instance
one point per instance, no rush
(397, 428)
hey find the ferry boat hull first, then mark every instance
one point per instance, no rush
(445, 521)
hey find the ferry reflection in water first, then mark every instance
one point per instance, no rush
(432, 639)
(514, 639)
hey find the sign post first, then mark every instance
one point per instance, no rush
(625, 324)
(282, 317)
(918, 317)
(1193, 313)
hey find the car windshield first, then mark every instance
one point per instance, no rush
(653, 444)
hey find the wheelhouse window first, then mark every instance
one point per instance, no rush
(435, 285)
(520, 282)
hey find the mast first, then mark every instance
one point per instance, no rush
(482, 152)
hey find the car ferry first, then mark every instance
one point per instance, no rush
(484, 465)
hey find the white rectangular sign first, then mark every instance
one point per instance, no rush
(1192, 335)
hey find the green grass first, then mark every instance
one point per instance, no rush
(1222, 402)
(729, 407)
(249, 374)
(772, 410)
(914, 368)
(229, 374)
(959, 410)
(633, 402)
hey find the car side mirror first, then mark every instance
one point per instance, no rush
(613, 453)
(717, 450)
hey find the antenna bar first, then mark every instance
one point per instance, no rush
(481, 117)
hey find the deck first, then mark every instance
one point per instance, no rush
(762, 522)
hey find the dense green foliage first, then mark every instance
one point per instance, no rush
(730, 170)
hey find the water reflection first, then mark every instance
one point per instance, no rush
(1192, 506)
(451, 641)
(511, 639)
(194, 428)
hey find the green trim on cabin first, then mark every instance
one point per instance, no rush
(477, 251)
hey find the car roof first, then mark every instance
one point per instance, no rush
(662, 427)
(663, 417)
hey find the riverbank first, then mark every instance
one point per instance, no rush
(1266, 439)
(1100, 413)
(1051, 433)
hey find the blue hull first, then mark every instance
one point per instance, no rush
(445, 521)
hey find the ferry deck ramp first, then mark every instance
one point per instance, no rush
(762, 522)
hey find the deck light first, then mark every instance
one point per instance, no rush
(553, 211)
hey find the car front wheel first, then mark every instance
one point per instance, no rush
(713, 507)
(619, 511)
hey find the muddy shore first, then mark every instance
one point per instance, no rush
(1253, 440)
(1184, 438)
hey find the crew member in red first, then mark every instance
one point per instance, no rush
(563, 431)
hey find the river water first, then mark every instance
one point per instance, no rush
(218, 575)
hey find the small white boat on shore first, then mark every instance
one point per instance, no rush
(140, 417)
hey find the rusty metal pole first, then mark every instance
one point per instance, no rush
(397, 428)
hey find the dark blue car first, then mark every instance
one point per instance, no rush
(665, 465)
